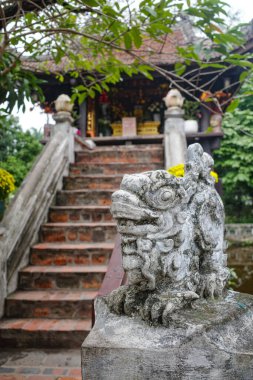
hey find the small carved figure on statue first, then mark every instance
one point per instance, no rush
(172, 240)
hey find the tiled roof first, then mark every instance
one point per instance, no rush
(162, 52)
(159, 52)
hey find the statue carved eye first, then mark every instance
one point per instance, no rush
(161, 199)
(168, 195)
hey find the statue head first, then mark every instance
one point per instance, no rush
(150, 209)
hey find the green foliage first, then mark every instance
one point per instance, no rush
(233, 278)
(93, 35)
(16, 167)
(18, 149)
(234, 164)
(17, 84)
(191, 110)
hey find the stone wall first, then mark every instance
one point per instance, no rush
(239, 232)
(240, 256)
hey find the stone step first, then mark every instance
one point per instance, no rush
(98, 181)
(71, 254)
(62, 277)
(77, 214)
(84, 197)
(55, 293)
(50, 304)
(122, 147)
(43, 332)
(77, 169)
(78, 232)
(128, 154)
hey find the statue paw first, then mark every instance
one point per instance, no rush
(212, 285)
(125, 300)
(159, 307)
(116, 299)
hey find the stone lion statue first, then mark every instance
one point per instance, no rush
(172, 240)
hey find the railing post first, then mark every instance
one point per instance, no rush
(63, 121)
(174, 141)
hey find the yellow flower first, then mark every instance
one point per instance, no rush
(178, 171)
(6, 184)
(215, 176)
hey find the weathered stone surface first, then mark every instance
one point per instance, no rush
(211, 341)
(172, 240)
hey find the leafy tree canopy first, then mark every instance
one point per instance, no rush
(92, 34)
(18, 149)
(233, 160)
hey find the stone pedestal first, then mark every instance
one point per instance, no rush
(174, 137)
(213, 341)
(63, 122)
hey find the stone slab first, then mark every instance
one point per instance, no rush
(213, 340)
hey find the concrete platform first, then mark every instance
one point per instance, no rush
(212, 341)
(16, 364)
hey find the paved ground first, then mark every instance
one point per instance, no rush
(19, 364)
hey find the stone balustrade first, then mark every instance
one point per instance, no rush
(29, 208)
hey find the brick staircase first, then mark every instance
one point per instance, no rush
(53, 303)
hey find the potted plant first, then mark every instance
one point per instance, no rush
(216, 103)
(191, 114)
(6, 187)
(104, 127)
(155, 110)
